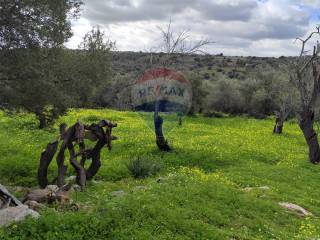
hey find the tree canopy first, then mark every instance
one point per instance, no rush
(36, 23)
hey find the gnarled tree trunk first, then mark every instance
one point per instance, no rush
(310, 135)
(95, 163)
(160, 139)
(70, 137)
(81, 173)
(42, 120)
(62, 169)
(45, 160)
(278, 126)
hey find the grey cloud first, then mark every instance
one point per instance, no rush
(275, 30)
(242, 18)
(125, 11)
(237, 26)
(228, 11)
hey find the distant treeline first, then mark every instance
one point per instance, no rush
(48, 81)
(254, 86)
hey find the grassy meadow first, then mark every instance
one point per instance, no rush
(198, 193)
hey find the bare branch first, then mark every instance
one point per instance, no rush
(180, 43)
(304, 41)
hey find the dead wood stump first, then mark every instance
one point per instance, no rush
(101, 133)
(45, 160)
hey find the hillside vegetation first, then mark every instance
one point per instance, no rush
(199, 192)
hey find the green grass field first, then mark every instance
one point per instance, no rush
(200, 195)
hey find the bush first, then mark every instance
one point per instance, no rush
(214, 114)
(225, 96)
(143, 167)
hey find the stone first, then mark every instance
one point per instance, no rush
(296, 209)
(52, 188)
(248, 189)
(16, 214)
(34, 205)
(4, 192)
(2, 203)
(119, 193)
(39, 195)
(11, 209)
(139, 188)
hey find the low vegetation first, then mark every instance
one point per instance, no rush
(143, 167)
(200, 191)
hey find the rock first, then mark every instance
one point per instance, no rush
(46, 195)
(5, 193)
(15, 214)
(12, 209)
(248, 189)
(2, 204)
(40, 196)
(119, 193)
(52, 188)
(139, 188)
(5, 204)
(34, 205)
(296, 209)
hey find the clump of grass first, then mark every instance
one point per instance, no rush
(143, 167)
(91, 119)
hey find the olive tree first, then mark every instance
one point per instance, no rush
(93, 67)
(174, 45)
(32, 34)
(305, 74)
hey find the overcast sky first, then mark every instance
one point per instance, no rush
(238, 27)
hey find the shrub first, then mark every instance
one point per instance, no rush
(214, 114)
(143, 167)
(225, 96)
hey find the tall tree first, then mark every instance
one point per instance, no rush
(174, 44)
(306, 77)
(36, 23)
(94, 66)
(32, 34)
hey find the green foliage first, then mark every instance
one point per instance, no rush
(225, 96)
(198, 92)
(94, 41)
(263, 92)
(48, 81)
(143, 167)
(34, 83)
(32, 36)
(36, 73)
(88, 69)
(36, 23)
(199, 195)
(115, 93)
